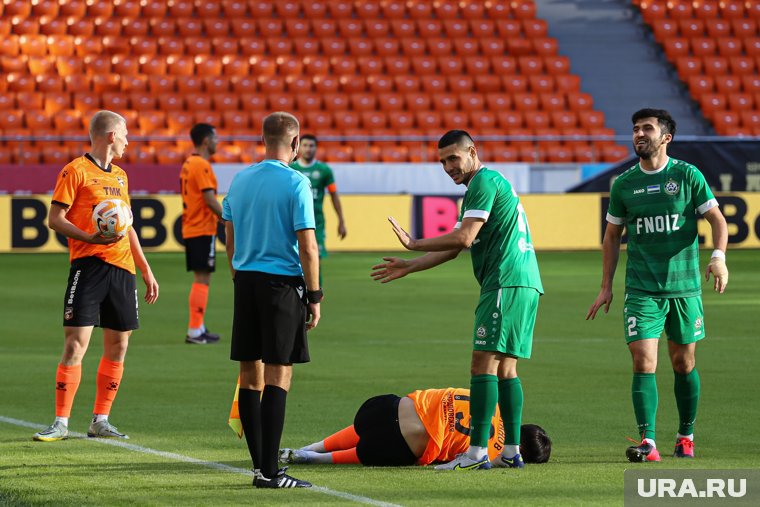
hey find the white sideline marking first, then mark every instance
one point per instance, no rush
(195, 461)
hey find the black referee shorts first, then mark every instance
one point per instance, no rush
(380, 440)
(269, 321)
(200, 253)
(100, 294)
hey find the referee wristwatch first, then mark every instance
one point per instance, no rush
(314, 296)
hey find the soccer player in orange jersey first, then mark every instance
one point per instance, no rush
(421, 428)
(200, 215)
(101, 289)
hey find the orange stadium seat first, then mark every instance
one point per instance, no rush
(407, 83)
(133, 27)
(664, 29)
(465, 46)
(689, 27)
(206, 10)
(197, 46)
(85, 101)
(514, 83)
(579, 101)
(688, 66)
(403, 28)
(743, 27)
(133, 83)
(105, 83)
(428, 27)
(281, 101)
(115, 45)
(333, 46)
(751, 84)
(394, 65)
(68, 120)
(36, 120)
(504, 65)
(740, 101)
(566, 119)
(49, 83)
(390, 102)
(729, 46)
(171, 102)
(715, 65)
(741, 65)
(728, 84)
(253, 101)
(125, 65)
(338, 9)
(752, 46)
(546, 46)
(412, 46)
(437, 84)
(731, 9)
(350, 28)
(360, 47)
(700, 84)
(144, 46)
(724, 120)
(472, 10)
(387, 46)
(711, 102)
(318, 120)
(557, 65)
(179, 121)
(676, 47)
(702, 46)
(379, 83)
(114, 101)
(347, 119)
(140, 101)
(308, 102)
(523, 9)
(367, 10)
(541, 83)
(490, 46)
(424, 65)
(717, 27)
(591, 119)
(417, 101)
(326, 84)
(472, 101)
(750, 119)
(705, 9)
(460, 84)
(401, 120)
(324, 27)
(455, 28)
(536, 120)
(450, 66)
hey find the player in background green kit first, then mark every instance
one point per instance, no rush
(321, 177)
(492, 223)
(657, 202)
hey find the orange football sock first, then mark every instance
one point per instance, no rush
(67, 380)
(108, 380)
(341, 440)
(347, 457)
(198, 300)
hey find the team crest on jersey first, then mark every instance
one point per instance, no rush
(120, 180)
(315, 174)
(671, 187)
(481, 332)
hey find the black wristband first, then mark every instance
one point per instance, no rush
(314, 296)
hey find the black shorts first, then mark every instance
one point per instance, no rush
(269, 321)
(100, 294)
(200, 253)
(380, 440)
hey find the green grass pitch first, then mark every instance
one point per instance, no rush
(373, 339)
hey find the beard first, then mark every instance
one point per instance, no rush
(647, 151)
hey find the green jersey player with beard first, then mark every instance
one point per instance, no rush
(658, 202)
(493, 224)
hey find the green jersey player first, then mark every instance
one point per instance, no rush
(493, 223)
(321, 177)
(658, 202)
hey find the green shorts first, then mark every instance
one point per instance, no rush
(504, 321)
(319, 232)
(646, 317)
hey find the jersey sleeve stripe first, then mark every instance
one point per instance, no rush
(615, 220)
(707, 206)
(476, 213)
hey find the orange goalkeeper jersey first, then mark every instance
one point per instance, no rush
(80, 186)
(445, 413)
(196, 177)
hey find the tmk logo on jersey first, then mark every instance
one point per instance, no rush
(653, 189)
(112, 191)
(659, 223)
(671, 187)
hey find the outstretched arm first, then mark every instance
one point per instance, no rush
(610, 255)
(459, 238)
(395, 267)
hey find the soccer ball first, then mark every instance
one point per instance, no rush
(112, 217)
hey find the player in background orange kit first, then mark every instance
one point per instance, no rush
(101, 289)
(421, 428)
(200, 215)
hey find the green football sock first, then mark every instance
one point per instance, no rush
(687, 389)
(484, 394)
(511, 405)
(645, 399)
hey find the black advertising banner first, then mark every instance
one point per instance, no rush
(728, 166)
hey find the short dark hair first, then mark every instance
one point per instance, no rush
(454, 137)
(535, 444)
(201, 131)
(310, 137)
(667, 123)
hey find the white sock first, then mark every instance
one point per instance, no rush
(194, 332)
(321, 458)
(96, 418)
(650, 442)
(690, 437)
(510, 450)
(203, 328)
(64, 420)
(315, 447)
(477, 453)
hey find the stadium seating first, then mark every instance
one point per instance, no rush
(714, 48)
(367, 67)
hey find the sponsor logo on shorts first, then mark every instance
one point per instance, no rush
(698, 323)
(481, 333)
(73, 288)
(68, 313)
(480, 342)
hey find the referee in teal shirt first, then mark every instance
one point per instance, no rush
(274, 260)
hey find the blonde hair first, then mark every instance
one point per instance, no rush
(280, 128)
(104, 122)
